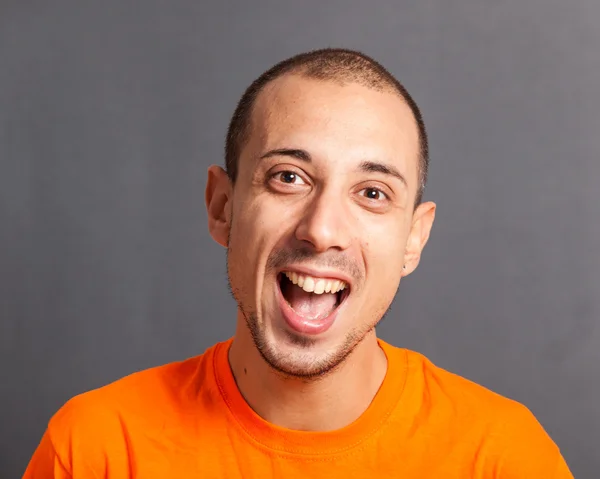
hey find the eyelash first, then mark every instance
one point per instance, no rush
(372, 188)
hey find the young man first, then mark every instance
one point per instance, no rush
(320, 211)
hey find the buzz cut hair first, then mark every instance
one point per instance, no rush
(329, 64)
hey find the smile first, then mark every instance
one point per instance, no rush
(310, 303)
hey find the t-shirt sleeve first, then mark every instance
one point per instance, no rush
(527, 451)
(45, 463)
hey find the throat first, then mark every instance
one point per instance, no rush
(328, 404)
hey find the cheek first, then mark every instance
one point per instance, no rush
(260, 223)
(243, 245)
(384, 254)
(382, 238)
(252, 237)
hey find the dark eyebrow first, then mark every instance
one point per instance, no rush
(365, 166)
(375, 167)
(295, 153)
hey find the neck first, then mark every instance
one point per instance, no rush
(323, 404)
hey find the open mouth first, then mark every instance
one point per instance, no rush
(312, 298)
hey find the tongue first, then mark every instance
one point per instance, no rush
(310, 305)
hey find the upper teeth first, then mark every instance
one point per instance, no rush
(310, 284)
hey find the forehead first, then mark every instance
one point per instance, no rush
(334, 121)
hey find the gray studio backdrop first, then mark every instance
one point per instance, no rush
(110, 113)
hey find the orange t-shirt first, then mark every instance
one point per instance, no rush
(188, 419)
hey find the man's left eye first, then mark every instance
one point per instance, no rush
(374, 194)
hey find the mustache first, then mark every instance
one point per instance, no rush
(338, 261)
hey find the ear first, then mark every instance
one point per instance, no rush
(218, 196)
(419, 234)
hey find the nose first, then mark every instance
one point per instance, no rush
(325, 224)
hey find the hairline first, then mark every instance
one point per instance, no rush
(385, 82)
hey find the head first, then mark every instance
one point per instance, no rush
(320, 205)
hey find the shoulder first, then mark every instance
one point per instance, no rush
(465, 396)
(423, 377)
(503, 431)
(97, 423)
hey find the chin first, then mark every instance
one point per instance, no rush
(299, 355)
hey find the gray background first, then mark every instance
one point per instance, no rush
(110, 113)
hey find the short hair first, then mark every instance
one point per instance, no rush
(333, 64)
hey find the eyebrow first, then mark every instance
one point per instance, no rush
(295, 153)
(377, 167)
(365, 166)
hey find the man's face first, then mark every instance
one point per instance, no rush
(323, 200)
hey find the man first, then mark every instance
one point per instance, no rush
(320, 209)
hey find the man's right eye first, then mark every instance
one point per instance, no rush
(289, 177)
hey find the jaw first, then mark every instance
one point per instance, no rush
(305, 355)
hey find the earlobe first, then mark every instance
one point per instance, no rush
(419, 235)
(217, 197)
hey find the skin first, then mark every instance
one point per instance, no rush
(329, 213)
